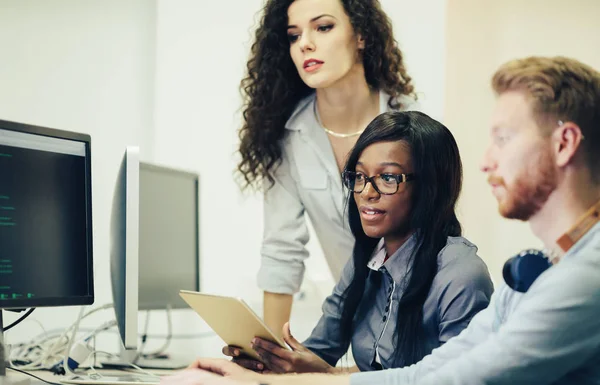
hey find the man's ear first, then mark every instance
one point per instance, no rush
(567, 141)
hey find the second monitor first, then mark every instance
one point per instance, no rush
(154, 251)
(168, 245)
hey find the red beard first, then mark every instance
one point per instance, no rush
(530, 189)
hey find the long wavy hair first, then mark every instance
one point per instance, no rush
(273, 87)
(437, 185)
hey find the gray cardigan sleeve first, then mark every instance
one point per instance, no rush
(285, 234)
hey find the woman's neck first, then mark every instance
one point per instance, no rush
(349, 105)
(392, 244)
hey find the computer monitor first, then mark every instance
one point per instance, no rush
(169, 246)
(155, 247)
(45, 217)
(124, 253)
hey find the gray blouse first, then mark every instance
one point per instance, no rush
(461, 288)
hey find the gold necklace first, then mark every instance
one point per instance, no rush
(333, 133)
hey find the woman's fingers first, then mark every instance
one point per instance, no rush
(232, 351)
(290, 340)
(249, 363)
(272, 348)
(273, 362)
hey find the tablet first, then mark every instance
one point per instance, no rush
(231, 319)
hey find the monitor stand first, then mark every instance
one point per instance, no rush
(167, 362)
(123, 361)
(12, 378)
(130, 356)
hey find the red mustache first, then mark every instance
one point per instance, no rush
(495, 180)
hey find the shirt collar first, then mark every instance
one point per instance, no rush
(378, 256)
(398, 265)
(583, 241)
(303, 116)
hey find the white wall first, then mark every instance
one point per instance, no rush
(481, 35)
(419, 27)
(201, 51)
(85, 67)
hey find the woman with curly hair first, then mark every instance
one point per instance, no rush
(319, 72)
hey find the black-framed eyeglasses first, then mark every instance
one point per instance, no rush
(386, 184)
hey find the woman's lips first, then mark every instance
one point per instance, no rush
(371, 213)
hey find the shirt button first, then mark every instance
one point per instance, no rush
(384, 318)
(387, 308)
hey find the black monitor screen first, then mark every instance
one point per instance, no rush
(45, 217)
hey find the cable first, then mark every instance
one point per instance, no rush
(55, 353)
(168, 338)
(2, 354)
(144, 337)
(34, 376)
(46, 351)
(79, 351)
(71, 342)
(12, 325)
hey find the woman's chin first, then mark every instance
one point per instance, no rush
(316, 81)
(373, 232)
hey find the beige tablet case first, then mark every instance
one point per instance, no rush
(231, 319)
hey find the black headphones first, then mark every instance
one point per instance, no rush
(522, 270)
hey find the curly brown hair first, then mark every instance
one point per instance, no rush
(273, 87)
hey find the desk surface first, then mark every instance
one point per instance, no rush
(50, 377)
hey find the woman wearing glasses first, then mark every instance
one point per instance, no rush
(413, 282)
(319, 72)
